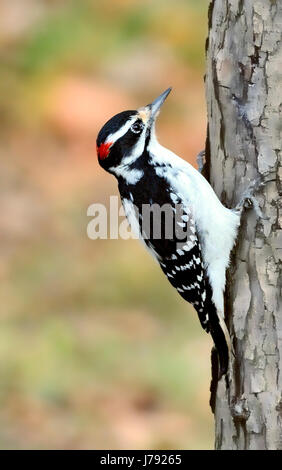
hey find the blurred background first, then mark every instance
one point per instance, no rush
(96, 349)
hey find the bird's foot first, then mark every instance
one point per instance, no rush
(249, 201)
(201, 160)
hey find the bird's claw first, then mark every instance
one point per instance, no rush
(249, 201)
(201, 160)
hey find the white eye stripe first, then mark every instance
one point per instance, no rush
(122, 131)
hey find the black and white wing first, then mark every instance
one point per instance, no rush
(181, 259)
(182, 263)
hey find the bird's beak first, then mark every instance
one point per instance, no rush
(155, 106)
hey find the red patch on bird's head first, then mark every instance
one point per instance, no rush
(103, 150)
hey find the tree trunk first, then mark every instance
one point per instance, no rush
(244, 98)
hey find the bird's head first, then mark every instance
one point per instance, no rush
(123, 139)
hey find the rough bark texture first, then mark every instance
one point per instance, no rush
(244, 96)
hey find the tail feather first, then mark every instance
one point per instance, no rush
(221, 339)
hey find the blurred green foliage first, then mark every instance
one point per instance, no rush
(81, 31)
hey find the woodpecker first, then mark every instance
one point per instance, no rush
(149, 174)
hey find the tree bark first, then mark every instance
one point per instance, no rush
(244, 99)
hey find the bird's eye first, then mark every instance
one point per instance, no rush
(137, 127)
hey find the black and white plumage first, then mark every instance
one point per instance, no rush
(149, 174)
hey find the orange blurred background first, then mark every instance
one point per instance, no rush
(96, 349)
